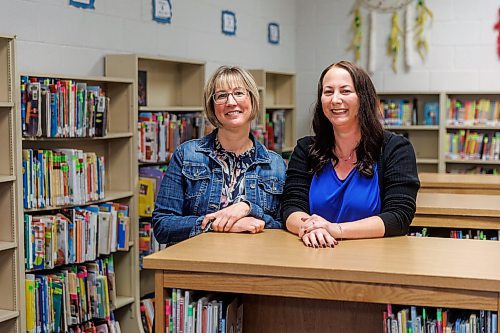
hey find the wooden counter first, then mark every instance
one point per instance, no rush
(450, 210)
(275, 264)
(459, 183)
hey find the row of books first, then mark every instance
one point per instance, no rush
(473, 112)
(147, 241)
(465, 144)
(160, 133)
(422, 320)
(107, 326)
(75, 235)
(402, 112)
(150, 178)
(462, 234)
(273, 136)
(70, 296)
(147, 309)
(188, 311)
(61, 177)
(399, 112)
(52, 107)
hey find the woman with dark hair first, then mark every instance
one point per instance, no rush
(351, 179)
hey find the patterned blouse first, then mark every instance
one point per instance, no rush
(233, 170)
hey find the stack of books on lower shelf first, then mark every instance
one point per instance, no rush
(400, 319)
(189, 311)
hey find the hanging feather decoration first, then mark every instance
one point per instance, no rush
(394, 42)
(409, 37)
(357, 39)
(372, 43)
(423, 14)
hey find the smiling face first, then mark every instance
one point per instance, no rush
(339, 99)
(236, 110)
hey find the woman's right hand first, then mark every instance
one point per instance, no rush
(311, 223)
(224, 219)
(319, 238)
(248, 224)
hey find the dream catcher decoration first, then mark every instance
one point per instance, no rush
(410, 36)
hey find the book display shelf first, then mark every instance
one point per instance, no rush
(11, 249)
(107, 132)
(168, 100)
(404, 114)
(451, 132)
(277, 90)
(471, 132)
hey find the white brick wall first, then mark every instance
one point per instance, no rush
(54, 37)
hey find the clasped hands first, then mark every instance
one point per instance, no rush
(233, 218)
(317, 232)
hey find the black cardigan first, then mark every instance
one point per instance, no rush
(398, 181)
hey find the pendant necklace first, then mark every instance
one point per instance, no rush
(346, 158)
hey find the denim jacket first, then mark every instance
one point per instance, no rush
(192, 188)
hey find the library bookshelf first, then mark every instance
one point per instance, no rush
(118, 148)
(277, 90)
(11, 244)
(161, 86)
(432, 136)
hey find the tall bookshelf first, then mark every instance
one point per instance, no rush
(11, 248)
(431, 141)
(173, 86)
(118, 148)
(277, 90)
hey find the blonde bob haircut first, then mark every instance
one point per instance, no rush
(229, 77)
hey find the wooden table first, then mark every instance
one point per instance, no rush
(433, 272)
(459, 183)
(450, 210)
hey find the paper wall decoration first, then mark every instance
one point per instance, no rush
(228, 23)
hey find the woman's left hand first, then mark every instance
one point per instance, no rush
(311, 223)
(224, 219)
(319, 238)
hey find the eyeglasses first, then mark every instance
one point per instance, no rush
(221, 97)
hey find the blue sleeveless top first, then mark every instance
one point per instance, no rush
(351, 199)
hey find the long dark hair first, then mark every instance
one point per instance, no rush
(372, 133)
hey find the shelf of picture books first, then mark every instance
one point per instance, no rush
(415, 116)
(472, 140)
(159, 134)
(11, 304)
(400, 318)
(191, 311)
(275, 125)
(78, 161)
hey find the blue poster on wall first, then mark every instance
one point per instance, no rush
(162, 11)
(273, 33)
(228, 23)
(86, 4)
